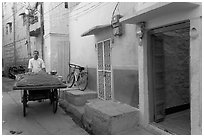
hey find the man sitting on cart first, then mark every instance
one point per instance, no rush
(36, 65)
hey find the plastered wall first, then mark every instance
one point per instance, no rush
(56, 38)
(123, 51)
(194, 15)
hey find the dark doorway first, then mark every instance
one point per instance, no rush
(170, 85)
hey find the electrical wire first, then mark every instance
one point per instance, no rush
(37, 10)
(115, 8)
(12, 14)
(81, 6)
(66, 17)
(79, 14)
(54, 8)
(89, 8)
(87, 12)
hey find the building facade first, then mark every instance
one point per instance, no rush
(169, 64)
(14, 50)
(46, 31)
(89, 28)
(149, 62)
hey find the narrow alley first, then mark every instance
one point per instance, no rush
(102, 68)
(40, 119)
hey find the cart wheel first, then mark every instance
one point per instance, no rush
(24, 102)
(55, 100)
(50, 97)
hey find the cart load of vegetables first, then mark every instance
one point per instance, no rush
(36, 79)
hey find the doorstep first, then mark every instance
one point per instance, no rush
(77, 97)
(105, 117)
(109, 117)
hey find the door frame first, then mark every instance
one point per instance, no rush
(195, 17)
(111, 71)
(173, 26)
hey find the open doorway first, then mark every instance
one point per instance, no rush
(169, 82)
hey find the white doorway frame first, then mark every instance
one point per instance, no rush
(195, 80)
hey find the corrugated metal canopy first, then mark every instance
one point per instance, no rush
(95, 30)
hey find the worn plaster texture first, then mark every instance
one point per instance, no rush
(79, 98)
(109, 117)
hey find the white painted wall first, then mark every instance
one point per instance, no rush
(88, 15)
(82, 18)
(20, 35)
(125, 49)
(194, 15)
(56, 37)
(55, 18)
(8, 17)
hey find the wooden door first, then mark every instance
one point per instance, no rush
(104, 70)
(158, 74)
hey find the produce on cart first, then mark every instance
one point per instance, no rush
(37, 79)
(38, 86)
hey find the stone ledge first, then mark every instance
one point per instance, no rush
(77, 111)
(77, 97)
(109, 117)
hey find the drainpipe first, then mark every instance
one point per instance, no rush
(28, 33)
(3, 37)
(14, 31)
(42, 29)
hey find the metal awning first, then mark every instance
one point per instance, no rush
(95, 30)
(156, 10)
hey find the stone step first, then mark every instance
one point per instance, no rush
(109, 117)
(77, 97)
(76, 111)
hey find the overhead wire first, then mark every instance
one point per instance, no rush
(83, 13)
(23, 6)
(81, 6)
(89, 8)
(64, 17)
(115, 9)
(54, 8)
(12, 14)
(87, 11)
(77, 14)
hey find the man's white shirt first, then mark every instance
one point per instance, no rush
(36, 65)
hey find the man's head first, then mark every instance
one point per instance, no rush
(35, 54)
